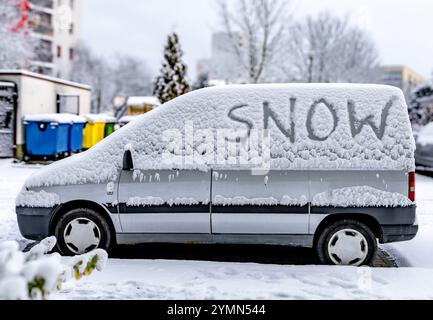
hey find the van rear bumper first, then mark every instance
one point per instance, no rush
(34, 223)
(396, 224)
(397, 233)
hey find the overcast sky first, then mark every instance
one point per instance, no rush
(402, 29)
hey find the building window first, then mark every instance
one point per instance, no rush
(59, 51)
(71, 29)
(71, 53)
(67, 103)
(44, 51)
(71, 4)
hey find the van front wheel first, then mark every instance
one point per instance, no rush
(347, 242)
(80, 231)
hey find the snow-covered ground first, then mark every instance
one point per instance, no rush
(12, 178)
(161, 279)
(126, 279)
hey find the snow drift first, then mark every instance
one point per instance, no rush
(360, 197)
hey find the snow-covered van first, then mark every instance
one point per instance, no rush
(324, 166)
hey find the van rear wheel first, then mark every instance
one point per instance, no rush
(82, 230)
(347, 242)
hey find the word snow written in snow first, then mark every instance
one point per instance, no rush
(235, 146)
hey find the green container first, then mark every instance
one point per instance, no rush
(109, 129)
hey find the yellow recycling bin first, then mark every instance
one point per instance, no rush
(93, 131)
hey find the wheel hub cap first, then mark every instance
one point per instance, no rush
(348, 247)
(82, 235)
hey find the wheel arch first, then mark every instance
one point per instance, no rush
(366, 219)
(68, 206)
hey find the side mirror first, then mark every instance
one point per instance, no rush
(128, 164)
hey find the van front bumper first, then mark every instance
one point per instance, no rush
(34, 223)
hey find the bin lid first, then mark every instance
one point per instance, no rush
(105, 118)
(127, 119)
(64, 118)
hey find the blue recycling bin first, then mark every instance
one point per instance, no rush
(45, 138)
(76, 136)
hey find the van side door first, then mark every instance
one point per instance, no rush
(273, 204)
(165, 202)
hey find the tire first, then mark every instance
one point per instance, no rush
(82, 230)
(346, 242)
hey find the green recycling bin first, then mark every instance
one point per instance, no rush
(109, 128)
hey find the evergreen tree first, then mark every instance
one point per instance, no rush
(172, 81)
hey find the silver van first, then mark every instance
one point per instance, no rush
(328, 166)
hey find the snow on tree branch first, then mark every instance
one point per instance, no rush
(127, 76)
(172, 81)
(255, 31)
(420, 113)
(328, 49)
(16, 44)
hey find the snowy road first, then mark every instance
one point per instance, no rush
(172, 279)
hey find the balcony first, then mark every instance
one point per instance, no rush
(41, 22)
(48, 4)
(45, 57)
(43, 52)
(44, 29)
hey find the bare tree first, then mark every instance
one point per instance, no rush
(127, 76)
(328, 49)
(96, 72)
(254, 29)
(132, 77)
(16, 45)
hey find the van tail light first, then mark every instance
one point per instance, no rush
(412, 186)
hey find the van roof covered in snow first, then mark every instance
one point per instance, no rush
(282, 127)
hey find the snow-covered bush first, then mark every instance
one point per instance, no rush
(420, 110)
(37, 274)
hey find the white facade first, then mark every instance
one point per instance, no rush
(56, 25)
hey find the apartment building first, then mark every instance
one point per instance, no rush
(55, 26)
(401, 77)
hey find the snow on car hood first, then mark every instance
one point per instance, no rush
(425, 135)
(315, 127)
